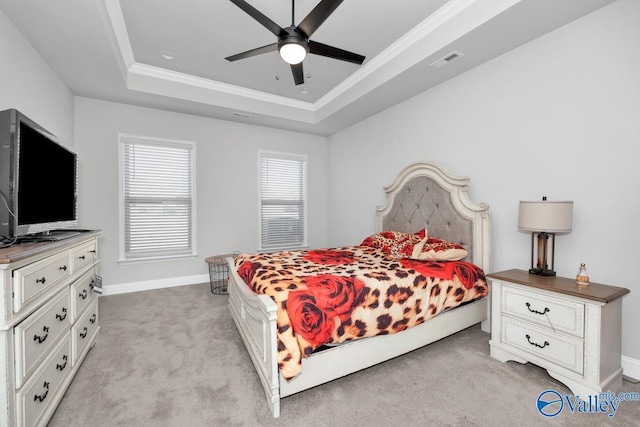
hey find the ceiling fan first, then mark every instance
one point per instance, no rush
(293, 41)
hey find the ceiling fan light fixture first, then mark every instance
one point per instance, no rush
(293, 41)
(293, 49)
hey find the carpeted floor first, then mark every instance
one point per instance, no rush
(172, 357)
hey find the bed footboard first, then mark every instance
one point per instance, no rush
(255, 317)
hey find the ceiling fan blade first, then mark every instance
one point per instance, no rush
(253, 52)
(259, 16)
(335, 53)
(317, 16)
(298, 74)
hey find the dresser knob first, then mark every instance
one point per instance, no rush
(546, 309)
(41, 339)
(43, 396)
(546, 343)
(64, 365)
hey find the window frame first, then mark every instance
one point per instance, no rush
(286, 156)
(124, 256)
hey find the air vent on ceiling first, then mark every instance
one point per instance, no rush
(241, 115)
(446, 60)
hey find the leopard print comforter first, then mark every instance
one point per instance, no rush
(334, 295)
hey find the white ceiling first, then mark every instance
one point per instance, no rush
(113, 50)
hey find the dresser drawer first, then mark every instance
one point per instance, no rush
(84, 331)
(558, 349)
(82, 294)
(545, 310)
(38, 333)
(84, 255)
(39, 393)
(32, 280)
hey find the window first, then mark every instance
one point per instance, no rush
(157, 203)
(283, 206)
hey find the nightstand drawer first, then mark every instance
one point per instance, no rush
(558, 314)
(558, 349)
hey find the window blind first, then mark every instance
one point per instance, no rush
(158, 206)
(282, 201)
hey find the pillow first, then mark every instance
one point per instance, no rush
(433, 249)
(395, 243)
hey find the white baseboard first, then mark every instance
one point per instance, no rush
(124, 288)
(631, 367)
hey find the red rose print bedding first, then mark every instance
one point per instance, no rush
(331, 296)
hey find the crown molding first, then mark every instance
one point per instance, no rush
(160, 81)
(113, 18)
(452, 21)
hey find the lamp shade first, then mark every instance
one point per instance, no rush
(545, 216)
(293, 53)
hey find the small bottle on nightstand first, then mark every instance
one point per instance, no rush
(582, 278)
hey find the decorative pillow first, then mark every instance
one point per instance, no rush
(433, 249)
(395, 243)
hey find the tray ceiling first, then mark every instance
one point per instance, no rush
(170, 54)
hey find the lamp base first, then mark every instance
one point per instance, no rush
(541, 272)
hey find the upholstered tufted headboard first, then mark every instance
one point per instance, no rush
(427, 196)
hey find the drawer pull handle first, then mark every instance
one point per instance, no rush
(41, 339)
(93, 318)
(83, 294)
(64, 365)
(546, 343)
(81, 257)
(63, 268)
(41, 280)
(84, 333)
(43, 396)
(546, 310)
(62, 316)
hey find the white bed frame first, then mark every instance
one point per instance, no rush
(423, 195)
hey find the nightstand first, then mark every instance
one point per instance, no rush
(573, 331)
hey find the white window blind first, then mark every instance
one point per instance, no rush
(157, 185)
(282, 201)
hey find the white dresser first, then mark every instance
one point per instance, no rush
(49, 317)
(571, 330)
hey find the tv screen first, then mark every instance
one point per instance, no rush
(46, 179)
(38, 182)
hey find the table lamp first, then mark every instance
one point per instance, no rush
(544, 219)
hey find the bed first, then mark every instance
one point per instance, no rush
(424, 195)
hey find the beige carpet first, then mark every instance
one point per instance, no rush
(173, 357)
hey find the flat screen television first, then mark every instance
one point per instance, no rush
(38, 180)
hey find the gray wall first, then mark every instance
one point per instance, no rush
(556, 117)
(30, 86)
(226, 181)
